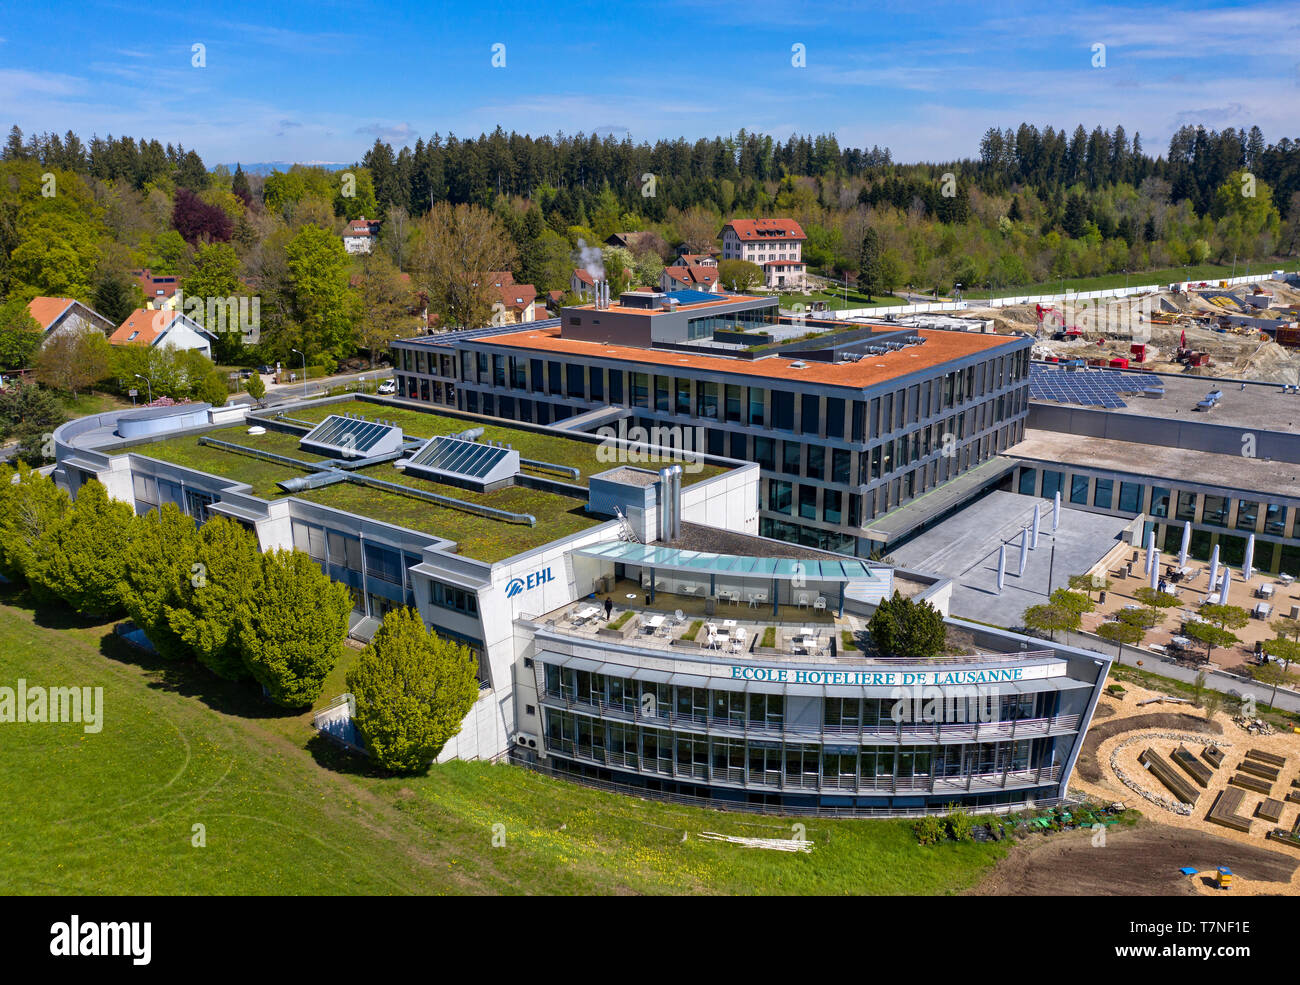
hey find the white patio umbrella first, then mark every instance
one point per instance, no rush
(1155, 569)
(1056, 510)
(1214, 567)
(1187, 543)
(1002, 567)
(1033, 532)
(1151, 549)
(1223, 587)
(1024, 551)
(1247, 569)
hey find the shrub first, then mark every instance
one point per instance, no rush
(413, 689)
(30, 503)
(291, 628)
(929, 830)
(693, 630)
(80, 558)
(959, 823)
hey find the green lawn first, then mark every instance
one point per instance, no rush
(835, 300)
(480, 537)
(85, 404)
(284, 812)
(1206, 271)
(581, 455)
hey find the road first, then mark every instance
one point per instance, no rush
(1228, 684)
(279, 393)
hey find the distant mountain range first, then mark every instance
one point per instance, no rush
(266, 167)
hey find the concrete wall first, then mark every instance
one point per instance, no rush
(1224, 439)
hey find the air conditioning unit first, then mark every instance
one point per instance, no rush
(526, 741)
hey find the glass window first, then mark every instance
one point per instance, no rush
(574, 375)
(816, 462)
(1079, 489)
(1028, 479)
(1159, 501)
(640, 390)
(790, 455)
(834, 417)
(597, 384)
(764, 454)
(1215, 513)
(832, 505)
(1130, 497)
(1274, 520)
(841, 466)
(706, 400)
(1103, 493)
(1247, 514)
(615, 386)
(779, 496)
(756, 406)
(782, 410)
(554, 373)
(733, 403)
(809, 413)
(661, 393)
(808, 502)
(1185, 508)
(1051, 483)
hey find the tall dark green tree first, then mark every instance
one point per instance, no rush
(413, 689)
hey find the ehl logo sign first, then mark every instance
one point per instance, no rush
(517, 585)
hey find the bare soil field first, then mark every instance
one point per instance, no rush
(1139, 861)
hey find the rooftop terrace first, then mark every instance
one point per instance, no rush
(481, 537)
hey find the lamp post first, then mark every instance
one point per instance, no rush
(304, 369)
(148, 385)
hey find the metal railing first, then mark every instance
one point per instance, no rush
(559, 771)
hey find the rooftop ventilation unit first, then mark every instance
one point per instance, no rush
(798, 364)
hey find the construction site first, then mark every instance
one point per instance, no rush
(1249, 331)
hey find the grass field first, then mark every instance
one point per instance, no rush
(284, 812)
(1170, 275)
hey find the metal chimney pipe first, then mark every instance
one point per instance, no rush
(665, 503)
(676, 474)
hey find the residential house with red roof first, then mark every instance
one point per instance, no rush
(776, 245)
(59, 315)
(159, 289)
(690, 277)
(163, 328)
(360, 235)
(515, 304)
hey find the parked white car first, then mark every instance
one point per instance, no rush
(388, 386)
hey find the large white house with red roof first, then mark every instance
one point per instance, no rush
(360, 235)
(776, 245)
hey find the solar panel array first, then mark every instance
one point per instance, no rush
(351, 437)
(687, 296)
(1093, 387)
(445, 457)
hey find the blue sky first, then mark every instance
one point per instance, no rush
(289, 81)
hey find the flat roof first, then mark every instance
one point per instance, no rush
(1152, 463)
(483, 538)
(1259, 406)
(939, 348)
(715, 300)
(965, 548)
